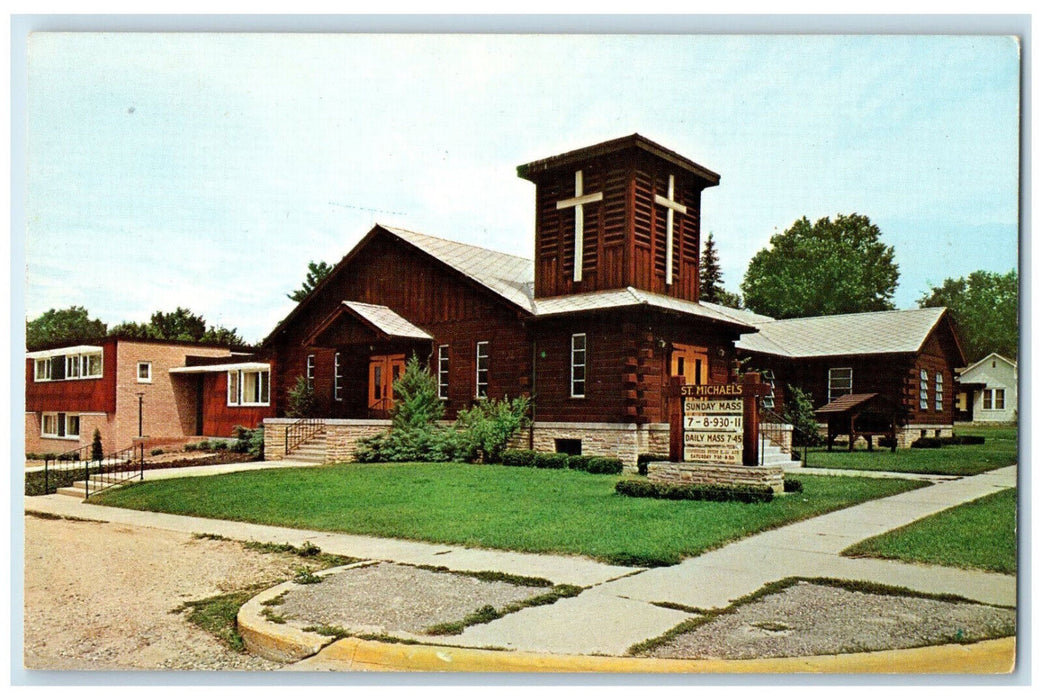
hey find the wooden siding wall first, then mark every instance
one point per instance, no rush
(72, 395)
(627, 360)
(624, 235)
(220, 419)
(389, 272)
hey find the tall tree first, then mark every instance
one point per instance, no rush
(317, 271)
(828, 267)
(63, 326)
(711, 278)
(985, 306)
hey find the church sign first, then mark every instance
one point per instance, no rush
(716, 423)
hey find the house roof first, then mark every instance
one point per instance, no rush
(989, 356)
(630, 296)
(845, 403)
(530, 171)
(387, 321)
(509, 276)
(744, 315)
(871, 333)
(226, 367)
(68, 350)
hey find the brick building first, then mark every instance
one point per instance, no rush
(128, 388)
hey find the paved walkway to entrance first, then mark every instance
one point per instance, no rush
(622, 605)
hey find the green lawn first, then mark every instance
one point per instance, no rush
(513, 508)
(981, 534)
(999, 450)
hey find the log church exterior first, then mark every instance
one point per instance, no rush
(592, 329)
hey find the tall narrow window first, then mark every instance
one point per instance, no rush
(938, 392)
(43, 370)
(841, 382)
(338, 379)
(311, 370)
(924, 389)
(1000, 399)
(233, 388)
(578, 365)
(72, 366)
(987, 399)
(481, 375)
(443, 372)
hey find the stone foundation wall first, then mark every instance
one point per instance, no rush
(341, 436)
(681, 473)
(622, 440)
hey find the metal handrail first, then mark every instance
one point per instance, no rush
(774, 435)
(116, 468)
(383, 405)
(75, 456)
(301, 431)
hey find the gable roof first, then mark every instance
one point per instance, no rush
(1012, 363)
(509, 276)
(871, 333)
(387, 321)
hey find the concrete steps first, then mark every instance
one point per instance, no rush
(773, 456)
(312, 450)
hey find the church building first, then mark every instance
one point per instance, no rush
(592, 333)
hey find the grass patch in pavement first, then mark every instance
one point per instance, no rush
(217, 614)
(492, 506)
(999, 450)
(981, 534)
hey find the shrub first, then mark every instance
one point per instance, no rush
(248, 441)
(887, 441)
(156, 451)
(929, 442)
(799, 411)
(301, 400)
(580, 462)
(694, 492)
(605, 465)
(413, 422)
(97, 452)
(793, 485)
(643, 459)
(486, 428)
(551, 460)
(518, 458)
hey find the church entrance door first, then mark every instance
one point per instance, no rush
(384, 370)
(690, 362)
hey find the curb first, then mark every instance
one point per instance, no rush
(988, 657)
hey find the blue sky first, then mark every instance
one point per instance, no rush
(206, 170)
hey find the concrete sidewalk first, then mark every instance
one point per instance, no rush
(622, 605)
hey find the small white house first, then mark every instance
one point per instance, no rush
(988, 391)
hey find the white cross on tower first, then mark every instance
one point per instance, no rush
(671, 207)
(578, 201)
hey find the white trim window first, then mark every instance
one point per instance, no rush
(249, 387)
(311, 371)
(65, 426)
(42, 370)
(443, 372)
(841, 382)
(338, 379)
(938, 392)
(994, 399)
(85, 366)
(481, 370)
(144, 372)
(924, 389)
(72, 366)
(578, 365)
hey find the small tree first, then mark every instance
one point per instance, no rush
(301, 399)
(97, 453)
(485, 429)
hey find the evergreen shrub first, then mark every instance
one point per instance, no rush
(793, 485)
(519, 458)
(694, 492)
(551, 460)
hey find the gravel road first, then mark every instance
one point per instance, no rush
(98, 596)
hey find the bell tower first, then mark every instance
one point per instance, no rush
(623, 213)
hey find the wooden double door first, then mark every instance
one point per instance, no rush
(384, 370)
(690, 362)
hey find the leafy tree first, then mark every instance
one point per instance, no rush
(984, 306)
(63, 327)
(799, 412)
(316, 273)
(180, 324)
(828, 267)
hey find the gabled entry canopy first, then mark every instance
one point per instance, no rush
(356, 322)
